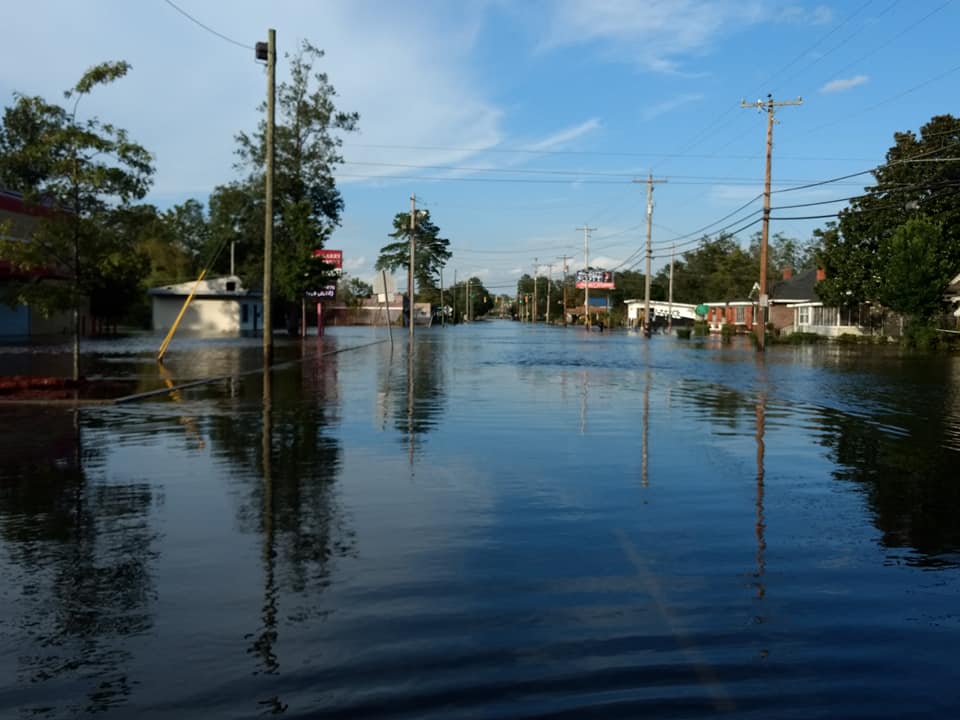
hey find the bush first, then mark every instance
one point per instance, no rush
(924, 336)
(804, 338)
(727, 331)
(684, 332)
(700, 327)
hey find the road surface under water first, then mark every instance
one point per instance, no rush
(552, 524)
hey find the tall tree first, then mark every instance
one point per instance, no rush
(431, 254)
(918, 268)
(919, 178)
(307, 203)
(85, 171)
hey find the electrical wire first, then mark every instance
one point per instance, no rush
(209, 29)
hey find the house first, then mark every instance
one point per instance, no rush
(662, 312)
(737, 313)
(219, 305)
(796, 307)
(18, 222)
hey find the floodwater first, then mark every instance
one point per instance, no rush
(552, 524)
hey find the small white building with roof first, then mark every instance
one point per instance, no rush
(219, 306)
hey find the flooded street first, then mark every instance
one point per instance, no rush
(516, 522)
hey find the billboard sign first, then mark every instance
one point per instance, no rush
(331, 257)
(595, 279)
(324, 292)
(328, 291)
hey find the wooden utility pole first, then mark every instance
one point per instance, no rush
(454, 296)
(647, 325)
(413, 255)
(564, 258)
(770, 106)
(549, 283)
(673, 252)
(268, 206)
(469, 302)
(443, 314)
(534, 290)
(586, 269)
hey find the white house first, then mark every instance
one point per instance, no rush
(219, 305)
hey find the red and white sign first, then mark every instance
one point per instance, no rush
(331, 257)
(595, 279)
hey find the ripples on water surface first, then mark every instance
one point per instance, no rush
(552, 525)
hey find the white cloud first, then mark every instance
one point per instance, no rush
(190, 92)
(662, 35)
(357, 263)
(516, 271)
(656, 35)
(666, 106)
(564, 136)
(842, 84)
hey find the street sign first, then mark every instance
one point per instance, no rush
(384, 284)
(331, 257)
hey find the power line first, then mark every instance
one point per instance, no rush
(599, 153)
(209, 29)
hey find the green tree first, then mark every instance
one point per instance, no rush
(307, 203)
(916, 180)
(85, 171)
(432, 251)
(352, 291)
(919, 266)
(190, 232)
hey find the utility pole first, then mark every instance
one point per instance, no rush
(647, 325)
(469, 302)
(564, 258)
(268, 53)
(454, 296)
(534, 290)
(673, 252)
(586, 269)
(549, 283)
(443, 314)
(770, 106)
(413, 255)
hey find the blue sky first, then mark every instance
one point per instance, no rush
(517, 122)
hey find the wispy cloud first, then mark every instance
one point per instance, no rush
(666, 106)
(842, 84)
(567, 135)
(658, 36)
(664, 36)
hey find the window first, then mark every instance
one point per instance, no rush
(803, 316)
(824, 316)
(244, 313)
(231, 285)
(741, 314)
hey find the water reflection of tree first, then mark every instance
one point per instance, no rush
(80, 549)
(910, 482)
(277, 437)
(304, 463)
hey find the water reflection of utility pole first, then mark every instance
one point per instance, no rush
(410, 389)
(760, 527)
(264, 643)
(645, 432)
(583, 405)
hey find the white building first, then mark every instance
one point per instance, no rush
(219, 305)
